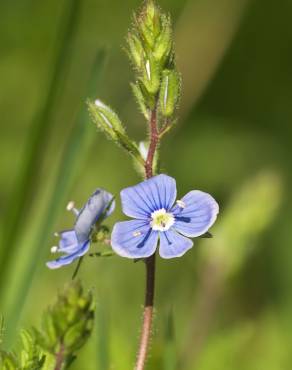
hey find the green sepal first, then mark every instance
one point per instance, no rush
(68, 323)
(163, 45)
(105, 118)
(31, 356)
(150, 18)
(169, 92)
(150, 75)
(8, 361)
(100, 234)
(49, 340)
(145, 32)
(150, 100)
(140, 100)
(135, 50)
(73, 340)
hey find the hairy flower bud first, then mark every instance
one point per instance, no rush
(68, 323)
(136, 51)
(106, 119)
(163, 45)
(151, 75)
(169, 92)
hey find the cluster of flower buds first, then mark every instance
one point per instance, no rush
(158, 84)
(67, 324)
(28, 357)
(150, 48)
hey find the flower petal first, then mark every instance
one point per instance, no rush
(134, 239)
(198, 215)
(66, 260)
(172, 244)
(91, 212)
(141, 200)
(68, 242)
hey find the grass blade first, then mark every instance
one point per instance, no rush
(64, 179)
(38, 138)
(169, 353)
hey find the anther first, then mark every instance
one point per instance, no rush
(54, 249)
(71, 207)
(181, 204)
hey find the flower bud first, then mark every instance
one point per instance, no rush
(163, 45)
(169, 92)
(68, 323)
(105, 119)
(136, 51)
(151, 75)
(150, 19)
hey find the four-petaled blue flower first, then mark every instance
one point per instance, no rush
(152, 204)
(75, 243)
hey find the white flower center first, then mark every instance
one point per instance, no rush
(161, 220)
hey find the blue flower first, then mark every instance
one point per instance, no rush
(75, 243)
(157, 217)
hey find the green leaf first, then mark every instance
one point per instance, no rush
(25, 190)
(107, 121)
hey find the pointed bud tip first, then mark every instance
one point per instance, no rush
(99, 103)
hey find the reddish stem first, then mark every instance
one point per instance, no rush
(147, 314)
(150, 261)
(60, 358)
(154, 138)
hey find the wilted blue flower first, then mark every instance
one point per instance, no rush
(152, 204)
(75, 243)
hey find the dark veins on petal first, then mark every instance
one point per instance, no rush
(183, 219)
(141, 245)
(166, 237)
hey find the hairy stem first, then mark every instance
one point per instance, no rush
(149, 262)
(154, 138)
(147, 314)
(60, 358)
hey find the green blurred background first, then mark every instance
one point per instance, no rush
(227, 303)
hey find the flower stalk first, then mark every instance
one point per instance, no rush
(60, 358)
(150, 261)
(151, 53)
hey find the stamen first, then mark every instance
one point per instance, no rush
(137, 233)
(54, 249)
(71, 207)
(181, 204)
